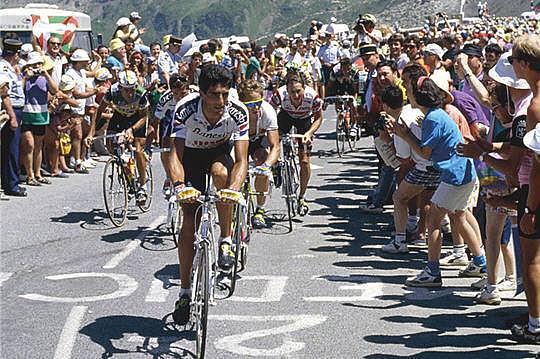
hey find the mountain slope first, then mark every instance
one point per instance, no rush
(261, 19)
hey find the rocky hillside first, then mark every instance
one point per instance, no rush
(260, 19)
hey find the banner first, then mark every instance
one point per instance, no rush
(62, 26)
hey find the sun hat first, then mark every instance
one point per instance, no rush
(116, 44)
(472, 50)
(441, 81)
(235, 47)
(67, 83)
(103, 74)
(123, 21)
(532, 139)
(503, 73)
(79, 55)
(34, 58)
(435, 50)
(370, 18)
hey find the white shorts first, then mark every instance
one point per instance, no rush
(455, 198)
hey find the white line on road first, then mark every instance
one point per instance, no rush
(156, 293)
(4, 276)
(315, 167)
(273, 291)
(131, 246)
(69, 333)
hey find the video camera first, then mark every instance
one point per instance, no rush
(359, 22)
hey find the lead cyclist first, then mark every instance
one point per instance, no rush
(207, 126)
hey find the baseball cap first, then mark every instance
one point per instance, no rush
(80, 55)
(26, 49)
(503, 73)
(123, 21)
(532, 139)
(135, 15)
(435, 50)
(116, 44)
(67, 83)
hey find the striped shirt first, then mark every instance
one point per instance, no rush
(35, 110)
(311, 103)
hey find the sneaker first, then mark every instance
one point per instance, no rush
(508, 284)
(424, 279)
(371, 208)
(353, 132)
(480, 284)
(90, 163)
(521, 333)
(181, 310)
(258, 219)
(487, 296)
(395, 247)
(303, 208)
(226, 257)
(473, 270)
(453, 260)
(141, 197)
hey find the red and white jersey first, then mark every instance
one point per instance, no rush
(311, 103)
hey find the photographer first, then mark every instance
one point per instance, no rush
(365, 31)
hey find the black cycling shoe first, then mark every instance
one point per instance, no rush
(226, 257)
(181, 310)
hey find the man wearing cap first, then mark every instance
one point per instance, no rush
(55, 55)
(525, 60)
(117, 58)
(329, 56)
(169, 60)
(433, 55)
(371, 59)
(470, 69)
(365, 31)
(11, 133)
(81, 92)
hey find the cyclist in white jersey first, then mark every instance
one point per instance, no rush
(207, 126)
(263, 140)
(301, 107)
(164, 114)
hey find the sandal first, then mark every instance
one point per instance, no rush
(521, 333)
(32, 182)
(43, 180)
(60, 174)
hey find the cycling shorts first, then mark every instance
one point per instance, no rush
(286, 123)
(121, 123)
(197, 163)
(259, 143)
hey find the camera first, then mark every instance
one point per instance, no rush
(380, 122)
(359, 22)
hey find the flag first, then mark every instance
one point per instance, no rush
(62, 26)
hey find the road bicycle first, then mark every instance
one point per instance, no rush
(121, 180)
(205, 269)
(290, 174)
(343, 125)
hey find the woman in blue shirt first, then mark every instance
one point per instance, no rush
(440, 136)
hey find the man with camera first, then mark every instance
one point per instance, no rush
(365, 31)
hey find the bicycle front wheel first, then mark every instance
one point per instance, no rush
(176, 222)
(200, 303)
(341, 135)
(115, 193)
(148, 187)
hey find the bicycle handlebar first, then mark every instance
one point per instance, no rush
(342, 98)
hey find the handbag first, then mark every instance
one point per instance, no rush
(65, 143)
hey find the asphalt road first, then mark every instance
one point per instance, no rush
(72, 286)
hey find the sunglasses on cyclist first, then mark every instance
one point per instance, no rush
(253, 104)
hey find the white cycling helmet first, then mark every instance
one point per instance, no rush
(127, 79)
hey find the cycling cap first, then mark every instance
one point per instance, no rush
(127, 79)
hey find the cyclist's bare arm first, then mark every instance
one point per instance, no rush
(141, 122)
(176, 157)
(240, 167)
(317, 121)
(273, 142)
(99, 112)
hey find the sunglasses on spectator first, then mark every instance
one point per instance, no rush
(253, 104)
(55, 43)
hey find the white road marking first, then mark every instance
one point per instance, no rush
(131, 246)
(233, 343)
(126, 286)
(156, 293)
(304, 256)
(370, 290)
(273, 291)
(347, 206)
(69, 332)
(315, 167)
(4, 276)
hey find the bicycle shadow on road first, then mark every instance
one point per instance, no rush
(124, 334)
(499, 353)
(96, 219)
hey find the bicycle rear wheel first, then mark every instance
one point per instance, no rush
(148, 187)
(115, 193)
(341, 135)
(200, 301)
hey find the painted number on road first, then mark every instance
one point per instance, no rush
(126, 286)
(235, 343)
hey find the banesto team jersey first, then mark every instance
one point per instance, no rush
(311, 103)
(191, 125)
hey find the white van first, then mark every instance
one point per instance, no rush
(17, 22)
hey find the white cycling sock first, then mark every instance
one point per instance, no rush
(459, 250)
(534, 325)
